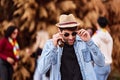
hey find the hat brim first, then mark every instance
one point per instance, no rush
(67, 25)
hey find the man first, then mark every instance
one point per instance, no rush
(73, 60)
(104, 41)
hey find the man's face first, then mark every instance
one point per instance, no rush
(69, 36)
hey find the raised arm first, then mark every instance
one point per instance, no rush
(47, 58)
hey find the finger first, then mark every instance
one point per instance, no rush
(84, 34)
(61, 36)
(58, 36)
(81, 32)
(61, 39)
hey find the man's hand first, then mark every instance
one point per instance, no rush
(83, 34)
(57, 37)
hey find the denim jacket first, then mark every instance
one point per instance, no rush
(87, 53)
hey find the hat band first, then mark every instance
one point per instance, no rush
(67, 23)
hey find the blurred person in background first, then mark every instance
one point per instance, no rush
(41, 38)
(9, 53)
(104, 41)
(72, 59)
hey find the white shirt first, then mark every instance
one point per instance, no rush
(104, 41)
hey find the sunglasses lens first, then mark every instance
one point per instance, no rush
(74, 34)
(66, 34)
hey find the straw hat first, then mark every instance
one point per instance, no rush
(66, 21)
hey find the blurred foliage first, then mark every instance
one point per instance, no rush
(34, 15)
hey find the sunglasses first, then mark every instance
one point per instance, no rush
(67, 34)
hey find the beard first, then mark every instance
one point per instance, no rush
(69, 42)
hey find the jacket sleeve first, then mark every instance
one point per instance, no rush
(96, 54)
(47, 58)
(2, 46)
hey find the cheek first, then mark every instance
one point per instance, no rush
(13, 36)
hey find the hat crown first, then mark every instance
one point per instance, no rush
(67, 21)
(67, 18)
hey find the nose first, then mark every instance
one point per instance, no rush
(71, 37)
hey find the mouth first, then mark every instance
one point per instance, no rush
(71, 41)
